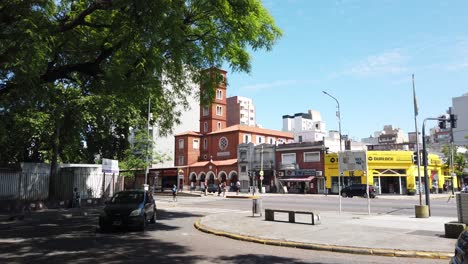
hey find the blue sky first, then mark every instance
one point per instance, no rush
(363, 53)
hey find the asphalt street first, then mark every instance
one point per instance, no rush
(71, 236)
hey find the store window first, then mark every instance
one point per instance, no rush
(311, 156)
(288, 158)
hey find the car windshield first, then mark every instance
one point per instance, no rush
(127, 197)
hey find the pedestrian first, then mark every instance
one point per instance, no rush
(76, 198)
(174, 193)
(223, 188)
(238, 185)
(206, 188)
(219, 189)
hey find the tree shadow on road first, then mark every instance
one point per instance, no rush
(267, 259)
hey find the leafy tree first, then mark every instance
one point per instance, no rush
(459, 160)
(140, 154)
(75, 75)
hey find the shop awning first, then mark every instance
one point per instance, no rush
(296, 179)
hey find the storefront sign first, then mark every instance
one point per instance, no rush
(309, 172)
(223, 154)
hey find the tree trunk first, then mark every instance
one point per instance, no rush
(54, 161)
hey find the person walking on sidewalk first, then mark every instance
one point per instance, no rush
(223, 189)
(174, 193)
(238, 185)
(76, 198)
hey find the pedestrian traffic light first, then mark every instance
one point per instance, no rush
(442, 123)
(415, 157)
(453, 121)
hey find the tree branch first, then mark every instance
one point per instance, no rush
(80, 19)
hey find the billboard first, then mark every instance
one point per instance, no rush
(352, 161)
(110, 166)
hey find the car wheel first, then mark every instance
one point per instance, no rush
(344, 194)
(153, 218)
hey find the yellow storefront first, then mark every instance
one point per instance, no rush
(389, 172)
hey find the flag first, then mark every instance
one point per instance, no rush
(415, 100)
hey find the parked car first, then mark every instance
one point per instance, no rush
(212, 188)
(357, 190)
(129, 209)
(461, 249)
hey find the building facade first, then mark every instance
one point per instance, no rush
(240, 111)
(300, 167)
(307, 127)
(460, 108)
(390, 172)
(210, 155)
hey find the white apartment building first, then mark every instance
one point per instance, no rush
(306, 127)
(460, 108)
(240, 111)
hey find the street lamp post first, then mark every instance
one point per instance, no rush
(338, 115)
(426, 161)
(261, 172)
(147, 142)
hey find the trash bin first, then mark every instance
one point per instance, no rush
(256, 206)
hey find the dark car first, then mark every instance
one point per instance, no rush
(131, 209)
(212, 188)
(357, 190)
(461, 249)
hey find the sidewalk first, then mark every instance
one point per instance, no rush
(387, 235)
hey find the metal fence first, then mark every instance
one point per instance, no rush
(34, 185)
(18, 185)
(90, 184)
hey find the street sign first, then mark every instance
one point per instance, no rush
(110, 166)
(353, 161)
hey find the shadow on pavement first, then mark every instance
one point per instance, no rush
(254, 259)
(78, 240)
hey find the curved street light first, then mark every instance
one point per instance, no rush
(338, 115)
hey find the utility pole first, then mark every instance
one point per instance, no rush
(417, 142)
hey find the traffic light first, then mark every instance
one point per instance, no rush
(424, 157)
(442, 123)
(453, 121)
(415, 157)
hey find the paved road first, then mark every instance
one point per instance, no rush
(388, 205)
(72, 238)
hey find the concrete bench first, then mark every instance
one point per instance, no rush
(270, 215)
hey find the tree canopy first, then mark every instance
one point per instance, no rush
(76, 74)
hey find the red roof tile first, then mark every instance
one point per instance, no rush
(191, 133)
(256, 130)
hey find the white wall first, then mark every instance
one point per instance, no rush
(460, 108)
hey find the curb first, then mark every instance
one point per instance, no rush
(242, 197)
(325, 247)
